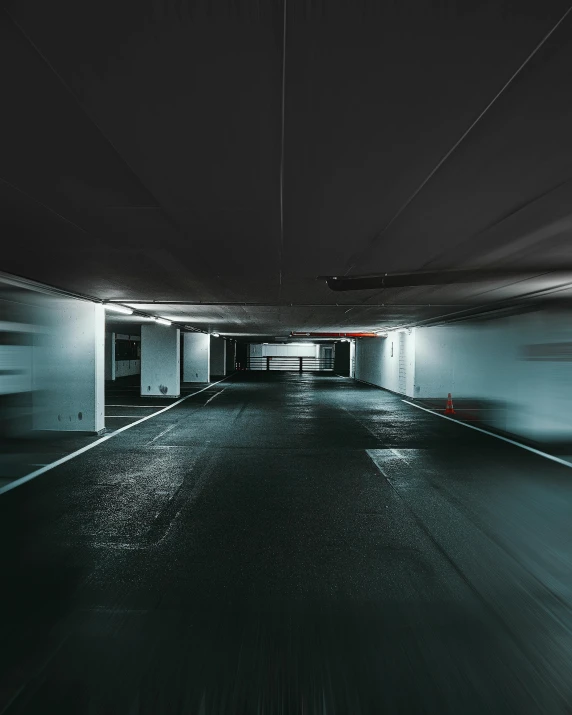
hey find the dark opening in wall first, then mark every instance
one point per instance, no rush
(127, 349)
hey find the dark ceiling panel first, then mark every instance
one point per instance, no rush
(191, 99)
(375, 99)
(142, 151)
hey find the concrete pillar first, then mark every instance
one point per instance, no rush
(110, 356)
(69, 368)
(160, 361)
(196, 357)
(353, 358)
(218, 357)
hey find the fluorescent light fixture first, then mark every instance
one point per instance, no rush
(215, 335)
(163, 321)
(114, 308)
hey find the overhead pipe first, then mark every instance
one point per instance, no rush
(423, 278)
(334, 335)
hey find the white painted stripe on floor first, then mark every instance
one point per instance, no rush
(551, 457)
(212, 398)
(22, 480)
(161, 434)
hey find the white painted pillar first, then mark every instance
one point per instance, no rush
(69, 368)
(110, 356)
(160, 361)
(353, 358)
(218, 356)
(196, 357)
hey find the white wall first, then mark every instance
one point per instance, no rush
(519, 366)
(127, 367)
(387, 362)
(522, 363)
(467, 359)
(16, 341)
(196, 357)
(160, 361)
(69, 368)
(352, 358)
(218, 356)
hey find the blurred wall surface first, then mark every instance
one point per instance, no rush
(51, 363)
(518, 369)
(17, 336)
(69, 368)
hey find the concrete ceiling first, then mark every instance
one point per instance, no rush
(149, 154)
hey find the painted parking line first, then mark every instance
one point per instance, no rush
(212, 398)
(112, 417)
(22, 480)
(538, 452)
(161, 434)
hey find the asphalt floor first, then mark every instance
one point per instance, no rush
(124, 405)
(289, 543)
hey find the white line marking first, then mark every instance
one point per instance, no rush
(161, 434)
(212, 398)
(465, 409)
(111, 417)
(33, 475)
(551, 457)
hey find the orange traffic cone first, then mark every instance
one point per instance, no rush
(449, 410)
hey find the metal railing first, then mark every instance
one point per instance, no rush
(293, 364)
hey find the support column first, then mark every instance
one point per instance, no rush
(353, 358)
(160, 361)
(218, 357)
(68, 366)
(196, 357)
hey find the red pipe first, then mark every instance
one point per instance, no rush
(334, 335)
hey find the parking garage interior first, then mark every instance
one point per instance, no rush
(285, 357)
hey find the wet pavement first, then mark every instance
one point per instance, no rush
(289, 543)
(123, 406)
